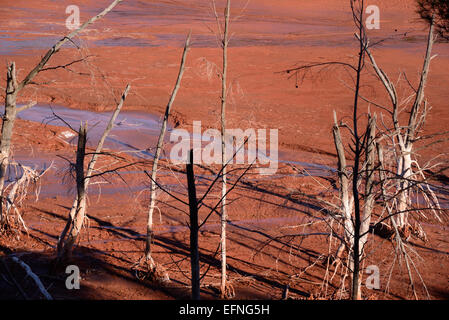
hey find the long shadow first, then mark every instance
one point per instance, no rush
(177, 247)
(181, 248)
(125, 273)
(307, 204)
(247, 185)
(268, 244)
(309, 252)
(430, 249)
(173, 246)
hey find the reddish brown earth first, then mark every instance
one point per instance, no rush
(141, 43)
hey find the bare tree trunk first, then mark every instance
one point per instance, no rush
(194, 253)
(7, 129)
(61, 238)
(78, 218)
(405, 170)
(224, 159)
(347, 201)
(370, 152)
(159, 147)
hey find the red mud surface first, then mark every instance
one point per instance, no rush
(140, 42)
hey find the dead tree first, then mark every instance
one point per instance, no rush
(194, 227)
(224, 214)
(195, 204)
(224, 42)
(404, 137)
(9, 117)
(13, 88)
(355, 206)
(159, 147)
(358, 17)
(77, 213)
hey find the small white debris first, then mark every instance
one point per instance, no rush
(67, 134)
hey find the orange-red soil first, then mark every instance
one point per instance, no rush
(144, 48)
